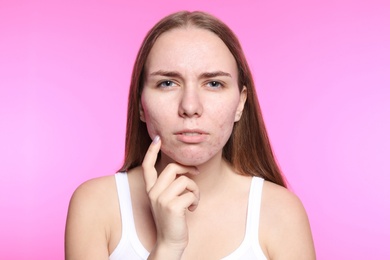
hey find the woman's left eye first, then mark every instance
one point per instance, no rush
(214, 84)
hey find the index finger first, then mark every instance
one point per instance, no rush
(150, 172)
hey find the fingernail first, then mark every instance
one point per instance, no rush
(156, 139)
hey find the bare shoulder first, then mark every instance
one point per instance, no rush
(93, 194)
(285, 230)
(89, 219)
(281, 202)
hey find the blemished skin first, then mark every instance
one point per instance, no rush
(191, 97)
(183, 202)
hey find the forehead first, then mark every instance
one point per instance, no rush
(190, 49)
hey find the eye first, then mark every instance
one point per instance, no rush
(166, 84)
(214, 84)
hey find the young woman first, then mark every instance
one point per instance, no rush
(199, 180)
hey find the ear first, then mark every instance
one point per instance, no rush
(241, 104)
(141, 113)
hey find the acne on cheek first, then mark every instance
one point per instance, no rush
(226, 132)
(165, 146)
(152, 126)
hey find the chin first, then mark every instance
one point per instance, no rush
(190, 158)
(190, 162)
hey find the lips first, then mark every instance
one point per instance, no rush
(190, 132)
(191, 136)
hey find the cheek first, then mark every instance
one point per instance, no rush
(225, 133)
(224, 123)
(151, 117)
(224, 116)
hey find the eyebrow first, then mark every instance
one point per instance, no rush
(175, 74)
(171, 74)
(215, 74)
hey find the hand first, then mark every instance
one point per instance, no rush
(170, 195)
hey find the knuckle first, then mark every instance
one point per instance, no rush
(170, 166)
(161, 201)
(182, 179)
(153, 196)
(192, 196)
(172, 207)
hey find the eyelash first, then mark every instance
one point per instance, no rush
(214, 84)
(160, 84)
(219, 84)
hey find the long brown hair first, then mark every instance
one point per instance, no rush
(248, 149)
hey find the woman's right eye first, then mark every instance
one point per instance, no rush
(166, 84)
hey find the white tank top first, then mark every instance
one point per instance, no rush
(130, 247)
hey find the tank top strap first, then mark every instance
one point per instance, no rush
(123, 190)
(254, 206)
(125, 206)
(129, 234)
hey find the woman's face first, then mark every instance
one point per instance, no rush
(190, 96)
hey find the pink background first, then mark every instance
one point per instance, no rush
(322, 72)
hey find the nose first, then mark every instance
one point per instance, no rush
(190, 103)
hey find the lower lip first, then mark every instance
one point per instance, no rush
(191, 139)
